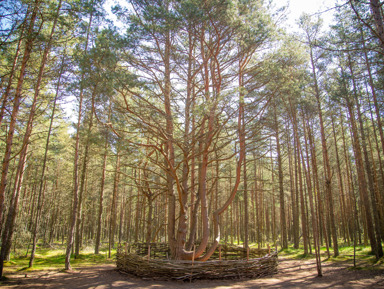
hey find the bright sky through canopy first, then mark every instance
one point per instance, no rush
(295, 9)
(298, 7)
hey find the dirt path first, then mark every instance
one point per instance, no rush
(292, 274)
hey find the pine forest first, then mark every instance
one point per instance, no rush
(191, 123)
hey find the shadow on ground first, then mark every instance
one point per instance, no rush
(292, 274)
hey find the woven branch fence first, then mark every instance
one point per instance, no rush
(147, 267)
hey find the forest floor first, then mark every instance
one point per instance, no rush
(292, 273)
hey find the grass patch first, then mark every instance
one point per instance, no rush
(293, 253)
(54, 259)
(364, 257)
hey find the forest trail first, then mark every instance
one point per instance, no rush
(292, 274)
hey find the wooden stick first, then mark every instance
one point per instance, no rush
(193, 260)
(220, 252)
(149, 252)
(193, 255)
(247, 253)
(134, 264)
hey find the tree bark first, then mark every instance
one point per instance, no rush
(16, 105)
(217, 213)
(11, 74)
(315, 224)
(327, 168)
(299, 177)
(37, 90)
(101, 198)
(377, 15)
(284, 238)
(41, 196)
(339, 174)
(83, 180)
(112, 228)
(11, 218)
(369, 174)
(361, 180)
(73, 214)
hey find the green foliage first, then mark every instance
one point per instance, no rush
(52, 258)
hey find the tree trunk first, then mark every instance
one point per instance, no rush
(376, 8)
(284, 238)
(40, 196)
(362, 181)
(373, 89)
(11, 74)
(112, 228)
(83, 177)
(295, 225)
(217, 213)
(327, 168)
(11, 218)
(101, 198)
(315, 225)
(369, 174)
(242, 138)
(299, 177)
(16, 105)
(183, 213)
(73, 215)
(317, 188)
(339, 174)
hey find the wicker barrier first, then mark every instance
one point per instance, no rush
(187, 270)
(156, 250)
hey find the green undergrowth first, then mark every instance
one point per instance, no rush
(54, 259)
(364, 257)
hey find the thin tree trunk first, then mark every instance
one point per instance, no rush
(300, 180)
(317, 188)
(40, 196)
(341, 185)
(82, 180)
(380, 193)
(217, 213)
(16, 105)
(11, 74)
(315, 225)
(11, 218)
(242, 138)
(376, 8)
(373, 89)
(362, 181)
(375, 213)
(284, 238)
(354, 215)
(327, 168)
(112, 228)
(73, 215)
(295, 225)
(101, 198)
(369, 174)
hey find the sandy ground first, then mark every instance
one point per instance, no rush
(292, 274)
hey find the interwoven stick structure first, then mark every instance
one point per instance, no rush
(164, 269)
